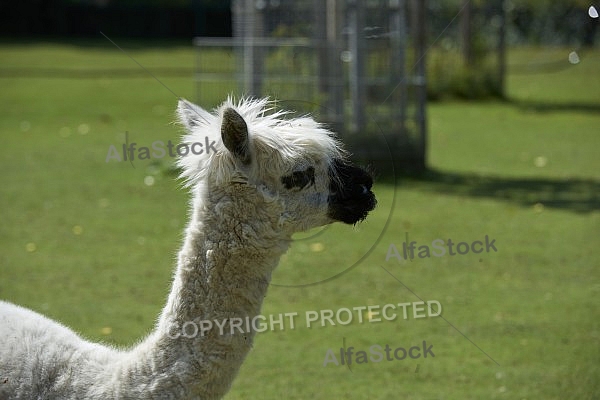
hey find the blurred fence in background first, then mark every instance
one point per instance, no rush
(365, 67)
(357, 66)
(368, 67)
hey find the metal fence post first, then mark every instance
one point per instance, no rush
(420, 39)
(397, 74)
(357, 69)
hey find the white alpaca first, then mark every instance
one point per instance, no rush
(270, 177)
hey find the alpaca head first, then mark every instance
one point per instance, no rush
(293, 169)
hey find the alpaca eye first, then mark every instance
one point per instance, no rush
(299, 179)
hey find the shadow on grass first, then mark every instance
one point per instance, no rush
(573, 194)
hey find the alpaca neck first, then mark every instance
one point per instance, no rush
(221, 279)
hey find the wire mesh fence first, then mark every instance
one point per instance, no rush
(344, 61)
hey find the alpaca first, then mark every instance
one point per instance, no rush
(271, 176)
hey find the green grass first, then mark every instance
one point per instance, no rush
(90, 244)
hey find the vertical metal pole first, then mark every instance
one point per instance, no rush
(258, 33)
(357, 49)
(248, 58)
(398, 99)
(253, 23)
(335, 95)
(238, 17)
(502, 47)
(200, 25)
(320, 43)
(420, 34)
(466, 32)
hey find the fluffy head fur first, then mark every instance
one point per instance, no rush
(294, 161)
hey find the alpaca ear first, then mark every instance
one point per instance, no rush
(191, 115)
(234, 133)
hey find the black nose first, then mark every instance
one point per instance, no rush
(350, 198)
(348, 180)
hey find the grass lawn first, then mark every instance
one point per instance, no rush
(92, 243)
